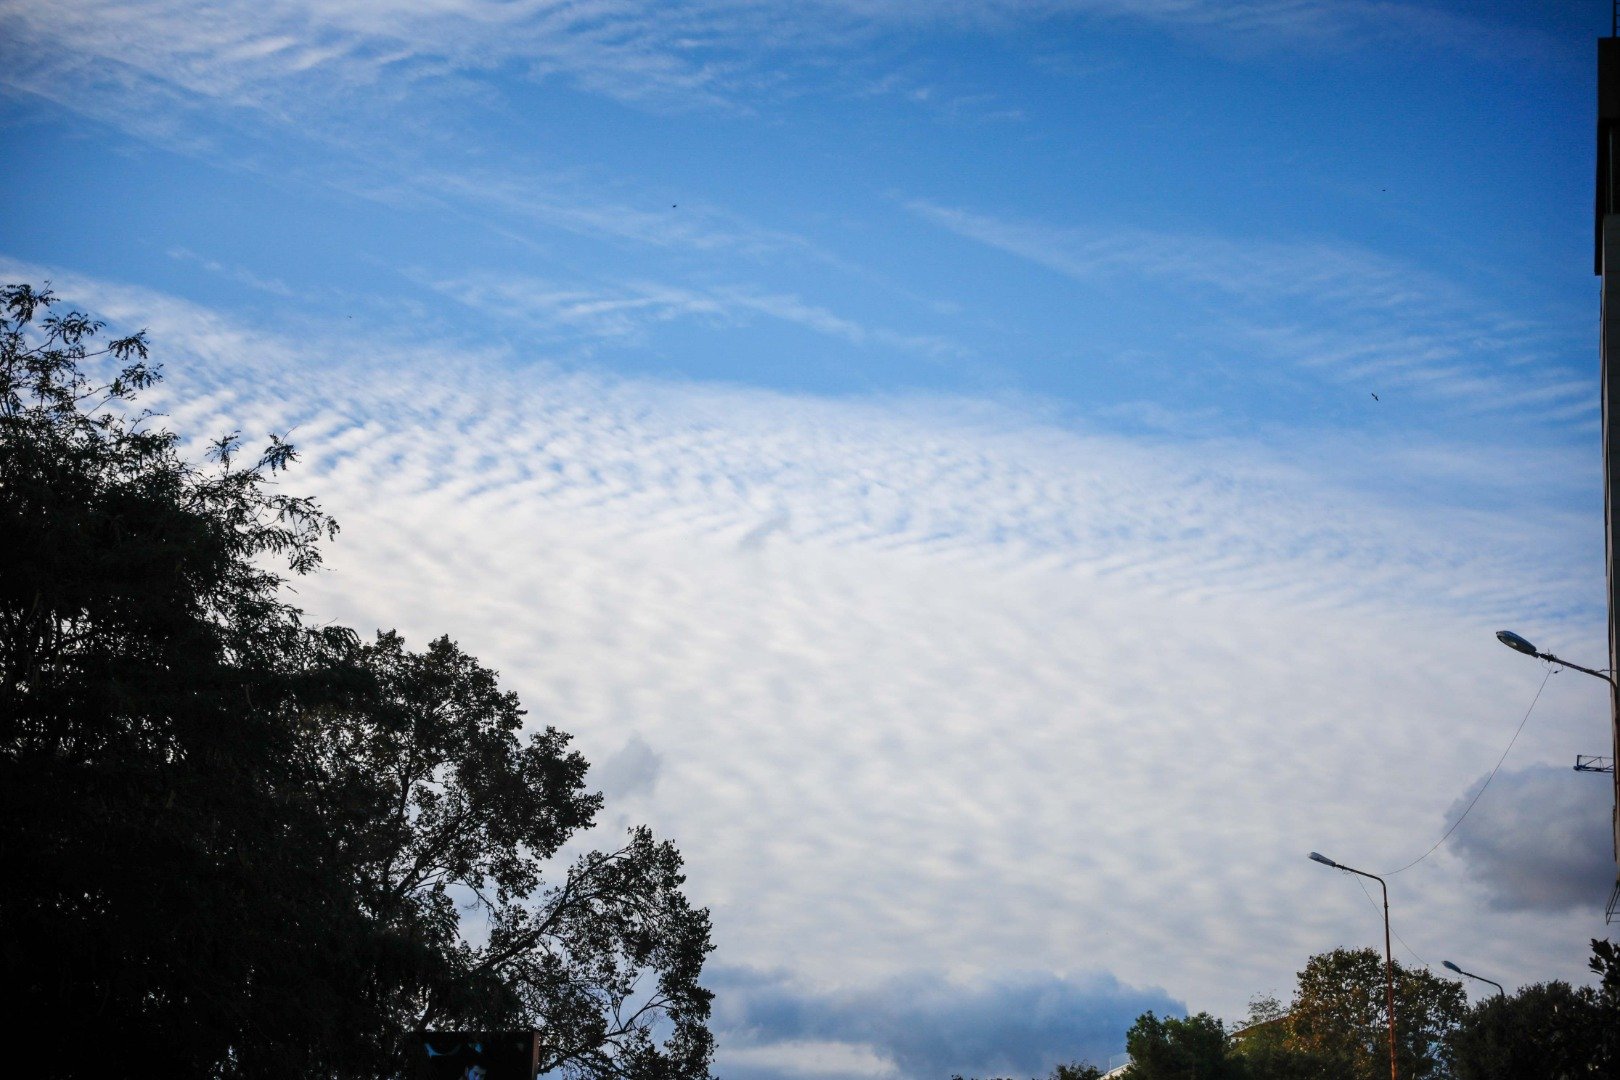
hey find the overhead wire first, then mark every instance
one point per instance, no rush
(1365, 892)
(1551, 671)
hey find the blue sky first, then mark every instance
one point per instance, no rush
(928, 453)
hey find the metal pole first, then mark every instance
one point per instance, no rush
(1561, 662)
(1389, 953)
(1389, 976)
(1607, 264)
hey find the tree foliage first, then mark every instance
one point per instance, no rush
(1172, 1048)
(434, 807)
(1548, 1031)
(144, 658)
(1544, 1032)
(243, 846)
(1605, 963)
(1334, 1028)
(1076, 1070)
(1340, 1015)
(1073, 1070)
(1266, 1049)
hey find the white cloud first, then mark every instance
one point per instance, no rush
(301, 89)
(631, 309)
(561, 203)
(1334, 272)
(1338, 310)
(808, 1058)
(597, 314)
(937, 689)
(275, 54)
(238, 274)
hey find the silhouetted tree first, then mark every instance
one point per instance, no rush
(236, 845)
(153, 863)
(1606, 963)
(1169, 1048)
(1549, 1031)
(1076, 1070)
(432, 803)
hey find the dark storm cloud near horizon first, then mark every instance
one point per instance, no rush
(1539, 839)
(928, 1027)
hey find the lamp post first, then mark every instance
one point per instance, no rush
(1471, 975)
(1519, 644)
(1389, 958)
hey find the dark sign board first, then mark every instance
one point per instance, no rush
(477, 1055)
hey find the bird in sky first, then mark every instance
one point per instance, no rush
(1375, 397)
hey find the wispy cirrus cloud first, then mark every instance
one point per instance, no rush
(574, 311)
(631, 310)
(249, 56)
(564, 203)
(692, 53)
(1334, 308)
(204, 76)
(300, 92)
(238, 274)
(1247, 269)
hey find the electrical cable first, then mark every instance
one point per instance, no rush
(1397, 934)
(1551, 671)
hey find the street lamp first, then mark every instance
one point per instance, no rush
(1471, 975)
(1519, 644)
(1389, 958)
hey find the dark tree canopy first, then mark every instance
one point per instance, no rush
(1605, 963)
(1543, 1032)
(238, 845)
(433, 804)
(144, 659)
(1548, 1031)
(1172, 1048)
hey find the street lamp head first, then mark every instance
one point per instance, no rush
(1453, 967)
(1514, 641)
(1323, 859)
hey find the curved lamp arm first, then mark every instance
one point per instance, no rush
(1389, 956)
(1471, 975)
(1519, 644)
